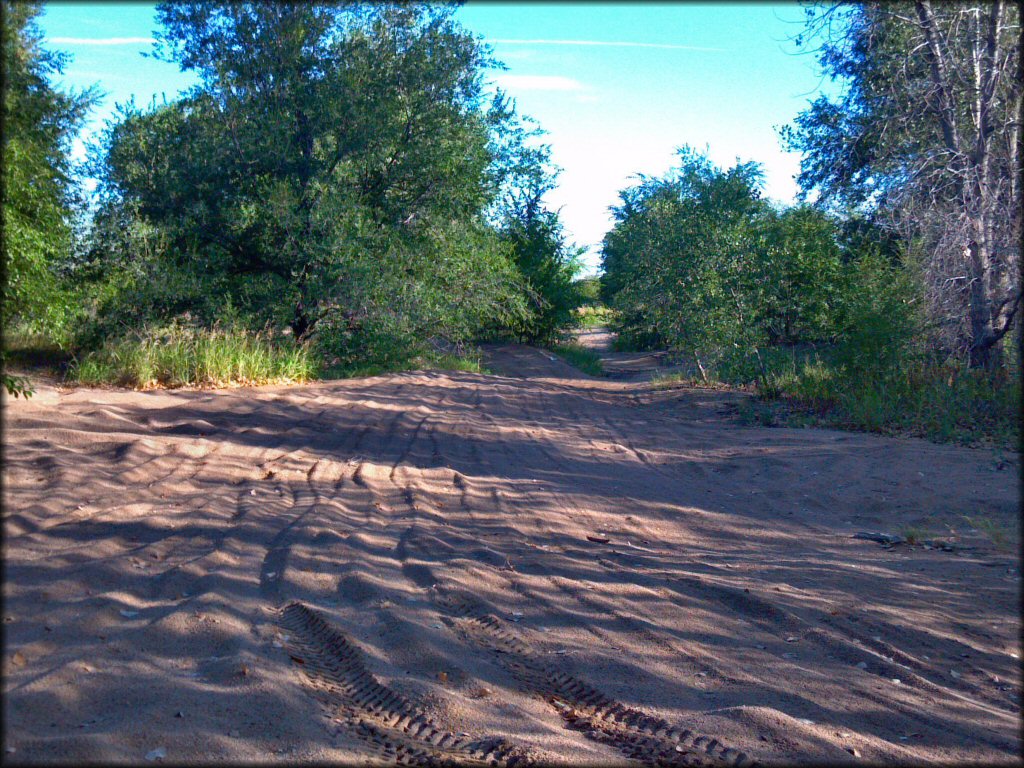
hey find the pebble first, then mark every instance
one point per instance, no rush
(853, 751)
(896, 681)
(862, 665)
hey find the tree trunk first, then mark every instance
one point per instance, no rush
(985, 352)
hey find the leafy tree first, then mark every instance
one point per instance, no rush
(523, 173)
(925, 137)
(698, 261)
(38, 191)
(330, 172)
(795, 274)
(674, 263)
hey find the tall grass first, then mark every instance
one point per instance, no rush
(178, 356)
(580, 357)
(941, 402)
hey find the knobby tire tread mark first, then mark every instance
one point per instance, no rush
(637, 735)
(391, 725)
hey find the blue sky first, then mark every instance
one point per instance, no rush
(617, 87)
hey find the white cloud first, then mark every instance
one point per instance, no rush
(538, 83)
(101, 40)
(611, 44)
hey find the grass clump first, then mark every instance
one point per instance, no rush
(179, 356)
(590, 316)
(1000, 536)
(944, 403)
(580, 357)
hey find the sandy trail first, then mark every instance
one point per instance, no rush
(536, 566)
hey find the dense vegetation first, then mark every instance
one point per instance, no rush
(336, 182)
(887, 304)
(38, 190)
(337, 196)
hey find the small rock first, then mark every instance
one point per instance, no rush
(179, 714)
(862, 665)
(128, 614)
(896, 681)
(853, 751)
(10, 750)
(805, 721)
(18, 659)
(792, 639)
(157, 754)
(954, 674)
(437, 626)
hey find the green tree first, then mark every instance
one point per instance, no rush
(675, 263)
(330, 171)
(39, 193)
(925, 137)
(523, 174)
(698, 261)
(795, 272)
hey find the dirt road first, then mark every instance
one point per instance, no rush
(535, 566)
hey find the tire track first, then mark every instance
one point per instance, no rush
(392, 726)
(635, 734)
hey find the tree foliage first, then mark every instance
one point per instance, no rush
(332, 171)
(523, 174)
(699, 261)
(38, 191)
(925, 139)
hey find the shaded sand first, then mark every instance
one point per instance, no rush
(528, 566)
